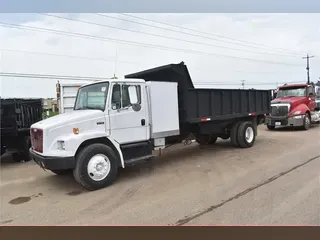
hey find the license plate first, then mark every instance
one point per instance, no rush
(278, 123)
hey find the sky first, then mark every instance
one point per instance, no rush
(220, 50)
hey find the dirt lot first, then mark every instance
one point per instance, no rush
(274, 182)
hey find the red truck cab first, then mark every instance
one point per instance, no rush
(294, 105)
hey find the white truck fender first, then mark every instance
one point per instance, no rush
(77, 140)
(117, 146)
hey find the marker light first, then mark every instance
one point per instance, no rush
(76, 130)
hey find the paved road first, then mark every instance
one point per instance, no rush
(275, 182)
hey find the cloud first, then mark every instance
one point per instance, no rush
(278, 31)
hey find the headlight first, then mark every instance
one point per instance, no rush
(296, 113)
(61, 145)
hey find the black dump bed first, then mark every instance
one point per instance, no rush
(18, 115)
(216, 104)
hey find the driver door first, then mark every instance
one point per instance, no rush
(128, 117)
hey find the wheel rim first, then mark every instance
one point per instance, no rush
(249, 134)
(98, 167)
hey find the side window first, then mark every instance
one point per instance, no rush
(139, 94)
(116, 96)
(121, 96)
(125, 96)
(310, 90)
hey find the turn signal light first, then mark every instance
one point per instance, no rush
(76, 130)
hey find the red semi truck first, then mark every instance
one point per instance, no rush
(294, 105)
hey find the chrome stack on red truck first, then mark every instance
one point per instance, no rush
(294, 105)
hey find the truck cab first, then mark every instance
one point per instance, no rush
(294, 105)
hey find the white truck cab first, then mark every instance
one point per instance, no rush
(110, 126)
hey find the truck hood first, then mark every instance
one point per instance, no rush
(292, 100)
(68, 118)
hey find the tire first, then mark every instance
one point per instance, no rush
(306, 122)
(3, 150)
(246, 134)
(16, 157)
(225, 136)
(26, 146)
(206, 139)
(270, 127)
(95, 154)
(234, 134)
(213, 140)
(23, 146)
(61, 172)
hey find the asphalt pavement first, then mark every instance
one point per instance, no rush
(274, 182)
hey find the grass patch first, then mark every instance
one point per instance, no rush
(51, 114)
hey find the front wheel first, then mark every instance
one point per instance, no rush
(246, 134)
(306, 122)
(96, 167)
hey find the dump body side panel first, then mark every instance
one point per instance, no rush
(223, 104)
(217, 104)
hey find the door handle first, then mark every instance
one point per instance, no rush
(143, 122)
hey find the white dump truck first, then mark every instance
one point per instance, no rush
(120, 122)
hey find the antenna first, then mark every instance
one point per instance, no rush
(242, 83)
(115, 63)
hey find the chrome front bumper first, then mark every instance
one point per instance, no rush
(295, 121)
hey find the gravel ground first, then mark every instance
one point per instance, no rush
(274, 182)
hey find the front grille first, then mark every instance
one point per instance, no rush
(279, 111)
(36, 139)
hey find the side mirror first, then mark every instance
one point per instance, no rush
(133, 94)
(134, 100)
(311, 94)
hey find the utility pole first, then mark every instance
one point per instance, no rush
(308, 74)
(242, 83)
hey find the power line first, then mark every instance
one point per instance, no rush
(157, 35)
(126, 42)
(63, 55)
(194, 30)
(190, 34)
(51, 76)
(108, 60)
(92, 78)
(236, 84)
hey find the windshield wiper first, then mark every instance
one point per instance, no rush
(88, 108)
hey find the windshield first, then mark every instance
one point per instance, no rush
(92, 97)
(292, 92)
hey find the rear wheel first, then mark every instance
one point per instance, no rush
(225, 136)
(25, 154)
(206, 139)
(24, 144)
(96, 167)
(246, 134)
(234, 134)
(270, 127)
